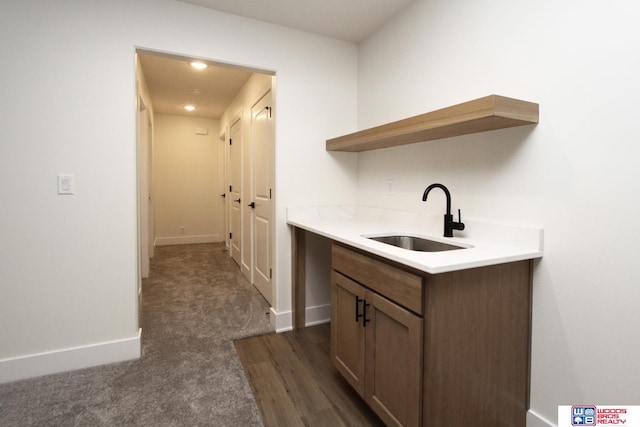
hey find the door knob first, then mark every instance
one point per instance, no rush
(252, 205)
(237, 200)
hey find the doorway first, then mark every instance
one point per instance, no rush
(227, 94)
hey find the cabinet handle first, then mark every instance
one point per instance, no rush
(364, 313)
(358, 315)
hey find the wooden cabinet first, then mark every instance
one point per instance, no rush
(443, 350)
(477, 346)
(347, 333)
(376, 344)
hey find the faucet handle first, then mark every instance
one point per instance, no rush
(459, 225)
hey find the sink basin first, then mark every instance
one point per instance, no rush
(416, 243)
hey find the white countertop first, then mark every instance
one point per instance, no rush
(485, 243)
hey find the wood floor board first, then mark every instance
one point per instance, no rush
(276, 408)
(313, 347)
(294, 382)
(327, 417)
(304, 391)
(252, 351)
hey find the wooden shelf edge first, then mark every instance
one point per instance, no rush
(479, 115)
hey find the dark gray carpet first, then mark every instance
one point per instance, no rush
(195, 303)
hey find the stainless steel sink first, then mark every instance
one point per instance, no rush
(416, 243)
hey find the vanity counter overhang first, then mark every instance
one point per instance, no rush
(484, 243)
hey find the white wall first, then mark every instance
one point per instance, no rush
(186, 187)
(575, 173)
(68, 270)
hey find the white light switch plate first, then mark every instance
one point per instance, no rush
(66, 184)
(390, 187)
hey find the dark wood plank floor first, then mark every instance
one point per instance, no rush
(295, 384)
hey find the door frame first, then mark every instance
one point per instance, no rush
(224, 163)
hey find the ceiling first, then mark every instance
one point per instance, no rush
(173, 83)
(350, 20)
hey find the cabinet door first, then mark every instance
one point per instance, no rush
(347, 333)
(394, 362)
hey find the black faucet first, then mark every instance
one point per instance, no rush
(449, 224)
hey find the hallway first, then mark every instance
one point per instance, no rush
(194, 305)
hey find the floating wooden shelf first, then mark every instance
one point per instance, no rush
(480, 115)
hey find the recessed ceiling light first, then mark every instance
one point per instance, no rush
(199, 65)
(196, 92)
(189, 107)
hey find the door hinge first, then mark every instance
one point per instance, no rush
(269, 110)
(270, 274)
(269, 193)
(230, 189)
(230, 141)
(230, 235)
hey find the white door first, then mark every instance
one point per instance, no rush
(144, 184)
(223, 176)
(263, 148)
(247, 215)
(235, 190)
(151, 208)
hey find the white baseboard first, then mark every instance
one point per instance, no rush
(317, 315)
(187, 240)
(283, 322)
(535, 420)
(69, 359)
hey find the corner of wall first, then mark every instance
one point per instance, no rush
(281, 322)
